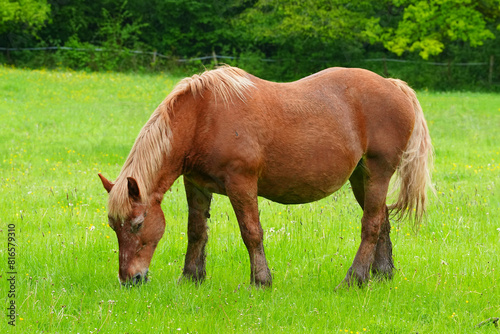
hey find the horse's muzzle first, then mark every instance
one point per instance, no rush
(137, 279)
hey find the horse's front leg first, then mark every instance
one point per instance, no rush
(199, 206)
(242, 192)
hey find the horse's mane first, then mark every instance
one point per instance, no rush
(154, 142)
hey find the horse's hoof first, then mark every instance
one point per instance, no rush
(354, 278)
(262, 279)
(380, 275)
(197, 279)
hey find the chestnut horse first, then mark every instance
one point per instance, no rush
(228, 132)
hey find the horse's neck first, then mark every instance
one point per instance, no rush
(173, 162)
(166, 178)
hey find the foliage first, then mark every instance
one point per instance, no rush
(23, 15)
(119, 33)
(428, 26)
(324, 21)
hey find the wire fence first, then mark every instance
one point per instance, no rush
(151, 53)
(214, 56)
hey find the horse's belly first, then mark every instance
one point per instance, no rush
(297, 188)
(308, 169)
(296, 195)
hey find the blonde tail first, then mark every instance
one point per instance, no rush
(413, 174)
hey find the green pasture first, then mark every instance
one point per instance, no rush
(59, 129)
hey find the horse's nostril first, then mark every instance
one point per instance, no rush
(137, 278)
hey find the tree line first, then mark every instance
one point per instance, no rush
(275, 39)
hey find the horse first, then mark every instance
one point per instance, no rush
(228, 132)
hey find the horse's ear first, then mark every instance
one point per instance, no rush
(133, 189)
(107, 185)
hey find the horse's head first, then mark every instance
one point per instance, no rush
(138, 233)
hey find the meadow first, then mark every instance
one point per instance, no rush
(60, 128)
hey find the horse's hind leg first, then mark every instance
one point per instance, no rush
(383, 264)
(199, 206)
(370, 182)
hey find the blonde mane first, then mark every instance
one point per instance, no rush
(154, 142)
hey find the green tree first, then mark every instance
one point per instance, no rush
(188, 28)
(429, 26)
(23, 15)
(325, 20)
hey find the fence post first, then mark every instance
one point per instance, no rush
(386, 72)
(490, 74)
(214, 56)
(154, 57)
(449, 70)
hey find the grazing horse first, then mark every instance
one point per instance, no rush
(228, 132)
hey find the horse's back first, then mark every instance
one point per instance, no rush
(361, 107)
(352, 105)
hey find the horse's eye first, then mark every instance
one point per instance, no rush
(136, 223)
(136, 227)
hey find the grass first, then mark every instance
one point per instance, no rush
(59, 129)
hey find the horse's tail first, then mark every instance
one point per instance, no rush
(413, 175)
